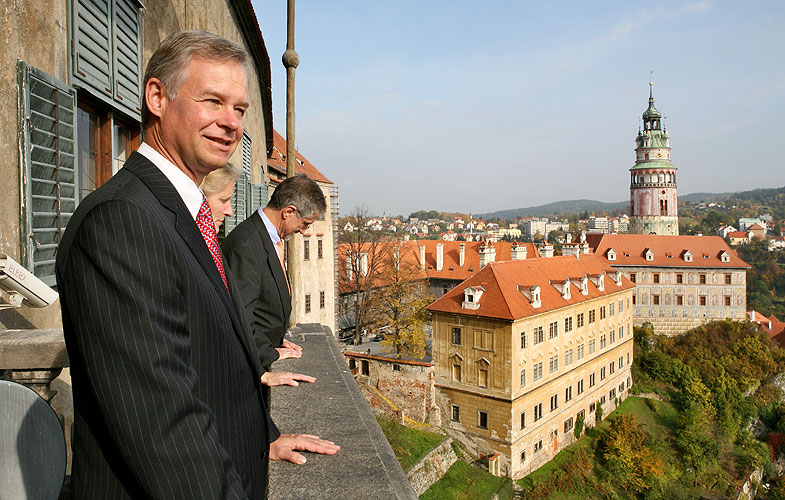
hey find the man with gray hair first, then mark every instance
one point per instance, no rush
(254, 252)
(168, 401)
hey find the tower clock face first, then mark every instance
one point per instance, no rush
(659, 155)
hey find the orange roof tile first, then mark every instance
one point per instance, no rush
(451, 268)
(501, 281)
(630, 250)
(277, 161)
(738, 234)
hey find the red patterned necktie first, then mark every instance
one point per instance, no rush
(204, 220)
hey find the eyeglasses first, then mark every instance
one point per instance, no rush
(306, 224)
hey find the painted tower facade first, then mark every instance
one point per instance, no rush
(654, 205)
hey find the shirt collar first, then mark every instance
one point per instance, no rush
(271, 229)
(187, 189)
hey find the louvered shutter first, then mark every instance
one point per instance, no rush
(106, 48)
(92, 45)
(127, 61)
(240, 194)
(49, 180)
(257, 197)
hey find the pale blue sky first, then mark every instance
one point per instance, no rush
(483, 106)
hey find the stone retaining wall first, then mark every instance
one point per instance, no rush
(432, 467)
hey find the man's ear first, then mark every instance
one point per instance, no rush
(155, 96)
(289, 211)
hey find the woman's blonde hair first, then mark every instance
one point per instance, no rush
(218, 179)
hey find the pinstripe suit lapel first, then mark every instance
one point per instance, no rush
(185, 226)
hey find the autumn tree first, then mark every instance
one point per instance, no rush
(361, 253)
(398, 303)
(628, 461)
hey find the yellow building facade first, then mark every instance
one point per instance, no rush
(523, 348)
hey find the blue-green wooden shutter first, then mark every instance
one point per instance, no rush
(240, 194)
(92, 45)
(106, 39)
(127, 57)
(257, 197)
(49, 182)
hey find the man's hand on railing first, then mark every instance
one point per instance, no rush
(272, 379)
(284, 448)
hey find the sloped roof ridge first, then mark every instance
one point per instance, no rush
(504, 295)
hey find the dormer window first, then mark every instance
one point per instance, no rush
(687, 256)
(599, 281)
(563, 287)
(611, 254)
(532, 294)
(649, 254)
(585, 285)
(471, 297)
(724, 256)
(615, 276)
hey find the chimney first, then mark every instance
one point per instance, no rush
(462, 254)
(570, 249)
(439, 256)
(546, 250)
(364, 264)
(422, 256)
(518, 251)
(583, 237)
(487, 254)
(569, 237)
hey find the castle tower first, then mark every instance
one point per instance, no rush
(654, 205)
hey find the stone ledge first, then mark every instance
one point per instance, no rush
(32, 349)
(334, 408)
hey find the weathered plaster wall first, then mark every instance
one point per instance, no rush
(35, 32)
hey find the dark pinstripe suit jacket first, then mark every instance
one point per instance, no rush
(167, 396)
(253, 259)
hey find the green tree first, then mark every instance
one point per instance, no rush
(578, 426)
(597, 413)
(695, 441)
(399, 302)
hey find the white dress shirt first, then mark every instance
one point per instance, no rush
(271, 230)
(187, 189)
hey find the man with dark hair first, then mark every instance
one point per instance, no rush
(254, 252)
(168, 401)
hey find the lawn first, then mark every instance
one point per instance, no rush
(409, 445)
(463, 482)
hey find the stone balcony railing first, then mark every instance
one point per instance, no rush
(333, 407)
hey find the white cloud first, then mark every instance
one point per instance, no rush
(698, 7)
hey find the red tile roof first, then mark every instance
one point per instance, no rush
(777, 330)
(668, 251)
(501, 280)
(277, 161)
(451, 268)
(738, 234)
(451, 257)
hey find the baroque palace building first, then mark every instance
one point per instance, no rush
(522, 348)
(681, 281)
(654, 204)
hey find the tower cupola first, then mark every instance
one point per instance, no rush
(653, 199)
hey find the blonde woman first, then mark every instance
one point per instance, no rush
(218, 187)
